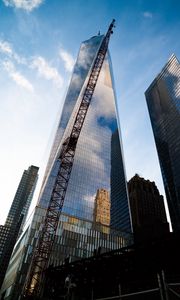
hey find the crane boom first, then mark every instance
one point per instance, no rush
(47, 236)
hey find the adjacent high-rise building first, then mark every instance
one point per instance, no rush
(22, 200)
(163, 100)
(147, 210)
(76, 234)
(16, 217)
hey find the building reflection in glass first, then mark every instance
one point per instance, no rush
(102, 206)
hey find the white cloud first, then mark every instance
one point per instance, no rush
(16, 76)
(85, 59)
(7, 49)
(38, 63)
(90, 197)
(46, 71)
(67, 59)
(27, 5)
(147, 14)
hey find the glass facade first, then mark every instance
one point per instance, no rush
(87, 52)
(93, 159)
(16, 217)
(23, 198)
(119, 204)
(163, 100)
(78, 235)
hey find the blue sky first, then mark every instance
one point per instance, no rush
(39, 42)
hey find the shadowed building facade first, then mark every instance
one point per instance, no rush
(76, 235)
(118, 192)
(147, 210)
(163, 100)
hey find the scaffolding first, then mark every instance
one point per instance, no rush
(145, 272)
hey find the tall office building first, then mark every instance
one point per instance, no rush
(16, 217)
(94, 160)
(23, 197)
(76, 234)
(163, 100)
(147, 210)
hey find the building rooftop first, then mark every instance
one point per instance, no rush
(172, 58)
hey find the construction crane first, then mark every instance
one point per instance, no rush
(40, 258)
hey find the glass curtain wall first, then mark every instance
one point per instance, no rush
(163, 100)
(77, 234)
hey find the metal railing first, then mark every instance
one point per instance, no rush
(163, 288)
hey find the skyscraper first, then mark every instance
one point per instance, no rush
(94, 160)
(16, 217)
(23, 197)
(163, 100)
(76, 235)
(147, 210)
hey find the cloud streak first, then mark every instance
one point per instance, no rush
(27, 5)
(38, 63)
(16, 76)
(147, 14)
(67, 59)
(7, 49)
(46, 71)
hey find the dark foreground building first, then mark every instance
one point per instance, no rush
(146, 272)
(147, 210)
(163, 100)
(16, 217)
